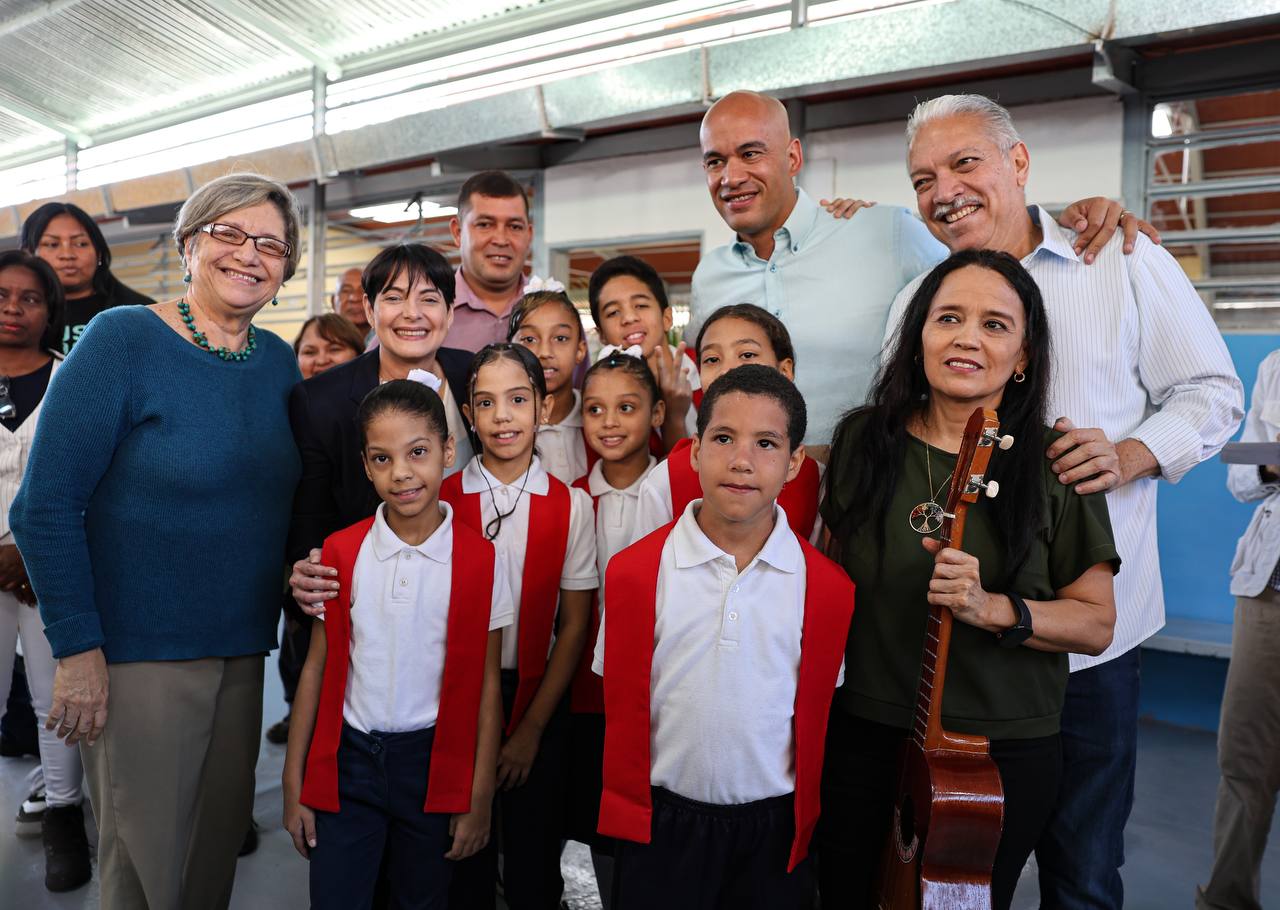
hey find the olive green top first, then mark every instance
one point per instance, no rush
(998, 692)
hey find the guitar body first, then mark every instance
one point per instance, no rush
(949, 812)
(946, 829)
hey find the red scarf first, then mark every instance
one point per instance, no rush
(626, 807)
(544, 552)
(799, 497)
(453, 752)
(586, 692)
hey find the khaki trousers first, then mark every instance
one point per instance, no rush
(172, 780)
(1248, 756)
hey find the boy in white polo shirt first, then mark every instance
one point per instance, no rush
(720, 650)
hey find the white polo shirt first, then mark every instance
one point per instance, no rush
(653, 502)
(561, 447)
(726, 662)
(579, 572)
(615, 515)
(399, 615)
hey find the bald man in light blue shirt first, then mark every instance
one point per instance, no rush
(830, 280)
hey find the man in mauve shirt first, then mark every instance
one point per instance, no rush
(493, 232)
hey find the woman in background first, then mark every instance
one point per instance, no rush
(67, 237)
(30, 335)
(326, 341)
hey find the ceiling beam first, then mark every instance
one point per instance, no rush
(258, 19)
(43, 119)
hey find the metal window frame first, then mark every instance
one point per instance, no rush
(1210, 73)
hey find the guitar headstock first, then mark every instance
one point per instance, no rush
(968, 481)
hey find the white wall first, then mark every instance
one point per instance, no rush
(1075, 152)
(633, 196)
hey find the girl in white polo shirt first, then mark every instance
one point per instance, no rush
(731, 337)
(397, 716)
(545, 531)
(722, 647)
(621, 406)
(547, 323)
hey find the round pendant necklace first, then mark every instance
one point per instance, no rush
(927, 517)
(184, 310)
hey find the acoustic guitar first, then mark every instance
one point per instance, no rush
(950, 807)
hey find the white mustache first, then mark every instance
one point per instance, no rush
(944, 209)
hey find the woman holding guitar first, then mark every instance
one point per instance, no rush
(1032, 582)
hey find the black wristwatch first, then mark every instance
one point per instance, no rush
(1019, 631)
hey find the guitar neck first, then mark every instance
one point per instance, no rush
(926, 730)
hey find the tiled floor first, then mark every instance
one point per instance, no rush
(1168, 838)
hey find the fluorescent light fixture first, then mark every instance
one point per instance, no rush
(37, 180)
(619, 29)
(266, 124)
(400, 212)
(830, 10)
(536, 72)
(1161, 121)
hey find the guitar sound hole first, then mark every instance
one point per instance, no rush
(906, 823)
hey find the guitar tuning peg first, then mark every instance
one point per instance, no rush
(992, 487)
(1004, 442)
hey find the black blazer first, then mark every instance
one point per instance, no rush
(334, 491)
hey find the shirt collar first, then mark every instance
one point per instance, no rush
(477, 479)
(464, 296)
(572, 420)
(598, 486)
(693, 547)
(437, 547)
(1054, 238)
(794, 232)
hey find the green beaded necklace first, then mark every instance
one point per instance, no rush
(184, 310)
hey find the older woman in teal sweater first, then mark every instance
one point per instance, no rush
(153, 517)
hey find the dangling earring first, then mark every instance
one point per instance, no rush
(186, 279)
(275, 301)
(1019, 376)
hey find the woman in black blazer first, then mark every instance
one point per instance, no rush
(409, 292)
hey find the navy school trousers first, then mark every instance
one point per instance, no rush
(710, 857)
(382, 786)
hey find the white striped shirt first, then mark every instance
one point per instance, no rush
(1136, 354)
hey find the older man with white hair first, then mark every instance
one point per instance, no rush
(1145, 390)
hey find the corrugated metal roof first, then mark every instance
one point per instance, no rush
(98, 66)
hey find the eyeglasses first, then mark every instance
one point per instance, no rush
(229, 233)
(7, 410)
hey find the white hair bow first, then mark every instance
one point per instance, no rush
(427, 378)
(542, 284)
(609, 349)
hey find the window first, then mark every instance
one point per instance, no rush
(1213, 190)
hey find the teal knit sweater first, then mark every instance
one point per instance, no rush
(154, 509)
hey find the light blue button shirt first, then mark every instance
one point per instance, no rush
(831, 281)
